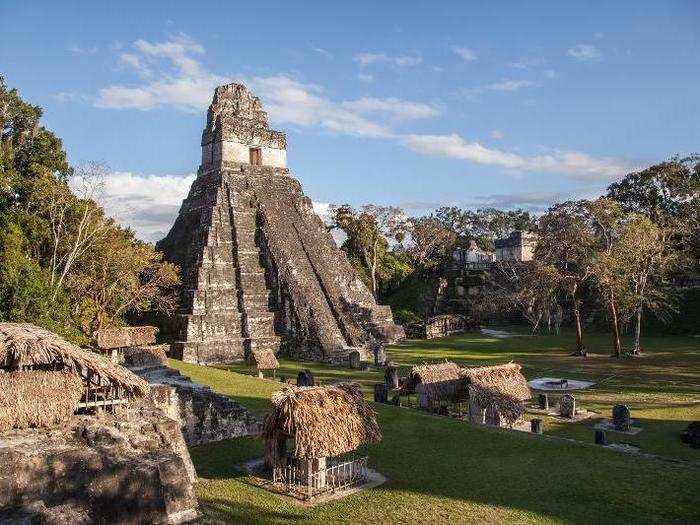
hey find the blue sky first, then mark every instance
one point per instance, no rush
(404, 103)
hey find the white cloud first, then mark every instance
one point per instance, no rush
(511, 85)
(571, 164)
(394, 107)
(549, 73)
(178, 78)
(288, 100)
(465, 53)
(136, 63)
(172, 75)
(585, 52)
(366, 59)
(327, 54)
(146, 203)
(365, 77)
(83, 50)
(497, 134)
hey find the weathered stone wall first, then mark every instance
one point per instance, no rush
(259, 268)
(107, 469)
(204, 415)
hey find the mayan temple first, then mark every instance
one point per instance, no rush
(259, 268)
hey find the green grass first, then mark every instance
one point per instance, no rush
(444, 470)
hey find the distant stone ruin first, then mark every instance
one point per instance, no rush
(259, 268)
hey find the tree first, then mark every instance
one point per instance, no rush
(484, 225)
(368, 232)
(122, 274)
(431, 241)
(63, 264)
(608, 267)
(530, 287)
(669, 195)
(566, 242)
(646, 258)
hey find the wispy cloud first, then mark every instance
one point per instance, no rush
(173, 75)
(585, 52)
(176, 77)
(394, 107)
(465, 53)
(497, 134)
(323, 52)
(288, 100)
(365, 77)
(366, 59)
(572, 164)
(510, 84)
(83, 50)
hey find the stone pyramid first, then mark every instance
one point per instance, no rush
(259, 268)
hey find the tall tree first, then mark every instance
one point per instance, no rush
(431, 241)
(566, 242)
(54, 254)
(529, 287)
(368, 232)
(608, 218)
(646, 258)
(668, 193)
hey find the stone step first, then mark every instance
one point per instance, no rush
(253, 281)
(272, 342)
(249, 260)
(253, 301)
(218, 276)
(215, 351)
(205, 327)
(260, 325)
(214, 300)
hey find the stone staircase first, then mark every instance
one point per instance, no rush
(254, 301)
(225, 309)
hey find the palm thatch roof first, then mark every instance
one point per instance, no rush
(24, 344)
(440, 381)
(506, 379)
(507, 406)
(110, 338)
(264, 359)
(324, 421)
(436, 372)
(38, 399)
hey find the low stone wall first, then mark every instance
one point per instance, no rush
(204, 415)
(98, 470)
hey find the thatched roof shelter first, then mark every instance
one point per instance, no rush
(506, 379)
(264, 359)
(26, 345)
(38, 399)
(111, 338)
(499, 389)
(435, 372)
(439, 381)
(325, 421)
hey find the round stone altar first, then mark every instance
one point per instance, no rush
(558, 384)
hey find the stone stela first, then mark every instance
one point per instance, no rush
(259, 269)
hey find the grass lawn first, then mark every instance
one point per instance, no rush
(444, 470)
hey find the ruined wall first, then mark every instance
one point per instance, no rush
(259, 268)
(204, 415)
(106, 470)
